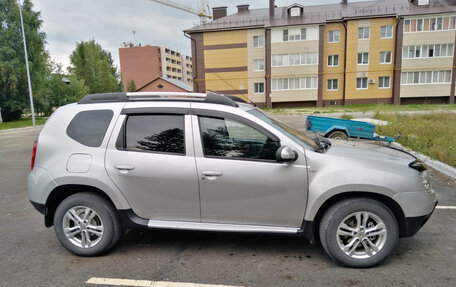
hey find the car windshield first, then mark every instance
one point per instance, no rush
(294, 134)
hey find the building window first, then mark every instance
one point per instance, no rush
(258, 41)
(384, 82)
(386, 32)
(428, 51)
(363, 33)
(295, 11)
(419, 25)
(258, 88)
(333, 60)
(333, 36)
(333, 85)
(363, 58)
(426, 77)
(429, 24)
(294, 35)
(283, 84)
(258, 65)
(294, 59)
(361, 83)
(385, 57)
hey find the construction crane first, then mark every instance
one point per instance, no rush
(201, 12)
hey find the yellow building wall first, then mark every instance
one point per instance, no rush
(374, 69)
(226, 81)
(228, 57)
(225, 58)
(333, 72)
(351, 58)
(225, 37)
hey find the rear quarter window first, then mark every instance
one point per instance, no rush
(89, 127)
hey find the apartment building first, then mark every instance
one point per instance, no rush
(148, 64)
(387, 51)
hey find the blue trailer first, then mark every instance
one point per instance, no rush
(343, 129)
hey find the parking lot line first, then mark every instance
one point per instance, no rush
(445, 207)
(147, 283)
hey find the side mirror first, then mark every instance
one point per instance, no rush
(286, 154)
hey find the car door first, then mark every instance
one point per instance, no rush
(152, 163)
(240, 180)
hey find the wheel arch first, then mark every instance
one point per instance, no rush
(62, 192)
(337, 129)
(387, 201)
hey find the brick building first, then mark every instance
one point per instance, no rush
(152, 64)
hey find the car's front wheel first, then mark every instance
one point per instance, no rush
(87, 224)
(359, 232)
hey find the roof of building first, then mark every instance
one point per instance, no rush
(319, 14)
(178, 83)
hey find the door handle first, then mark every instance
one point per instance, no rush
(211, 175)
(124, 168)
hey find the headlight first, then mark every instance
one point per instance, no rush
(426, 179)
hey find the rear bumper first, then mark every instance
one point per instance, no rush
(39, 206)
(413, 224)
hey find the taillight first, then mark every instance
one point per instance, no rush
(34, 154)
(308, 124)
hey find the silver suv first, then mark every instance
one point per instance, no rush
(208, 162)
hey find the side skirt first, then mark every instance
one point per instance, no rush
(131, 220)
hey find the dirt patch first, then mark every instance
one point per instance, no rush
(442, 178)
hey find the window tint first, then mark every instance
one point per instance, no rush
(156, 133)
(89, 127)
(232, 139)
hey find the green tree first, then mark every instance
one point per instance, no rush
(60, 89)
(131, 86)
(89, 62)
(14, 97)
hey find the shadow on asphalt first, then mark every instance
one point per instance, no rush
(231, 243)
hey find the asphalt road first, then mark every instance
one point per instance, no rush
(30, 254)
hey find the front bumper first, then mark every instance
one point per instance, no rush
(413, 224)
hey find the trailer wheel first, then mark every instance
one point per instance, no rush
(338, 135)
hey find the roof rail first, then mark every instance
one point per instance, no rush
(211, 98)
(163, 95)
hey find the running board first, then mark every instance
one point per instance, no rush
(220, 227)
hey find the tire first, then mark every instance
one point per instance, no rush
(101, 225)
(338, 135)
(335, 236)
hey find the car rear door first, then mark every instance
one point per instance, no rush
(150, 158)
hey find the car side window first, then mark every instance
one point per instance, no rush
(89, 127)
(222, 137)
(155, 133)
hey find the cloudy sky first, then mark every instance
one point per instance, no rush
(111, 22)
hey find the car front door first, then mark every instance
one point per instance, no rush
(152, 163)
(240, 180)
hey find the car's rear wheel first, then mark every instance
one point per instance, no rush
(87, 224)
(338, 135)
(359, 232)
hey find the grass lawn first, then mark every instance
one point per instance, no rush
(22, 123)
(360, 108)
(431, 134)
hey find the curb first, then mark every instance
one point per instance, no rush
(435, 164)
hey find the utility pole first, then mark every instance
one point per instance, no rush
(27, 66)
